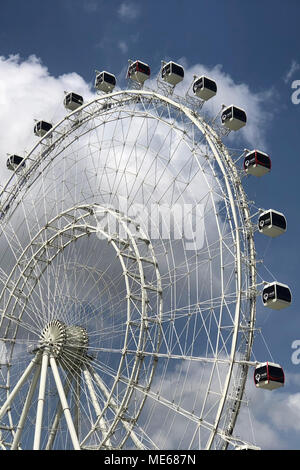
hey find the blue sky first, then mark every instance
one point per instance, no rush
(256, 46)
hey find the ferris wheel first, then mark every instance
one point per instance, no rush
(128, 273)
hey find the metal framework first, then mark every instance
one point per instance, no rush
(85, 282)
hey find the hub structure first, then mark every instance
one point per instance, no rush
(67, 344)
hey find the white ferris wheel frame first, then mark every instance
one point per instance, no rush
(237, 200)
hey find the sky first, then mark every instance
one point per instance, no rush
(252, 50)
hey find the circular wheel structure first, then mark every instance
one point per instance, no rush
(128, 282)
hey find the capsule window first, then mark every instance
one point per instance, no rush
(239, 114)
(209, 84)
(227, 114)
(177, 69)
(263, 159)
(109, 78)
(166, 70)
(143, 68)
(279, 220)
(275, 373)
(261, 374)
(283, 293)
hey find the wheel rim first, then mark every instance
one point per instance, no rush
(214, 305)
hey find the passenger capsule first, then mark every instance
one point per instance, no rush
(73, 101)
(272, 223)
(204, 88)
(233, 118)
(269, 376)
(15, 163)
(105, 82)
(257, 163)
(172, 73)
(276, 296)
(138, 71)
(41, 128)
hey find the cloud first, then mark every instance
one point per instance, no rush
(128, 11)
(90, 6)
(123, 46)
(87, 6)
(275, 415)
(231, 92)
(294, 67)
(28, 92)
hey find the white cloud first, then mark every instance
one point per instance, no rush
(29, 92)
(294, 67)
(275, 415)
(90, 6)
(123, 46)
(129, 11)
(231, 92)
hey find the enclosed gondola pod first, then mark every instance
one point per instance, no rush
(276, 296)
(233, 118)
(269, 376)
(172, 73)
(272, 223)
(204, 87)
(105, 82)
(73, 101)
(41, 128)
(15, 163)
(257, 163)
(138, 71)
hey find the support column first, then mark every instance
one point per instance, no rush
(41, 400)
(64, 404)
(25, 410)
(17, 387)
(100, 419)
(59, 412)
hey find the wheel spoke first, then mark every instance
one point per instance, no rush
(128, 266)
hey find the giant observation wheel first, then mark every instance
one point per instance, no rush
(128, 279)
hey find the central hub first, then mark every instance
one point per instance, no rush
(68, 344)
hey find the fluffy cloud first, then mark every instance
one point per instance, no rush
(28, 92)
(128, 11)
(274, 416)
(294, 67)
(230, 92)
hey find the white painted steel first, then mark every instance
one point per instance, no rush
(41, 401)
(106, 407)
(64, 404)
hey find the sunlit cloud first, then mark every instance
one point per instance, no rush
(129, 11)
(123, 46)
(294, 67)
